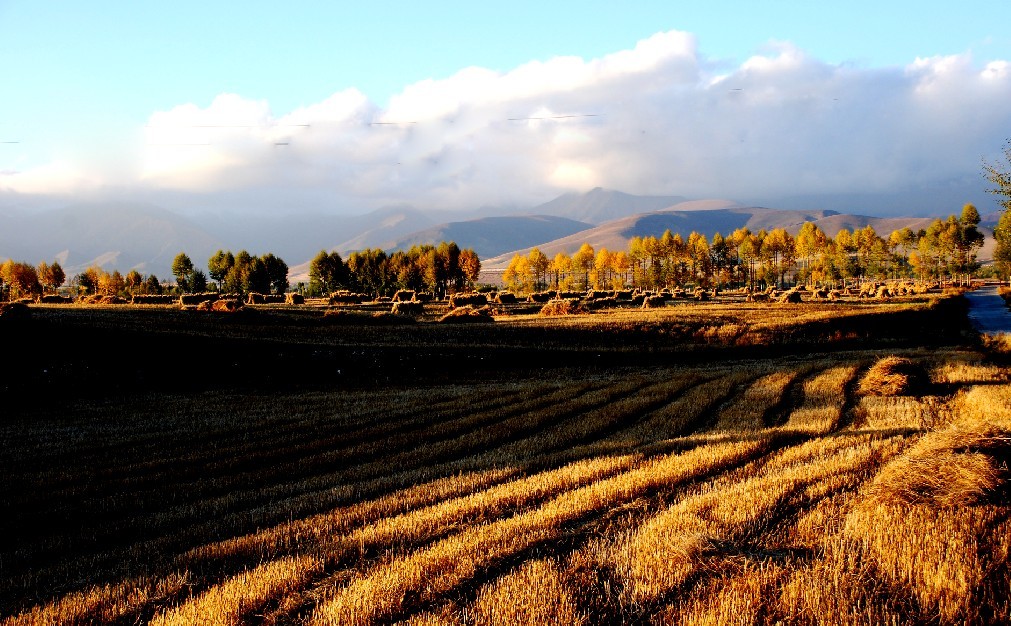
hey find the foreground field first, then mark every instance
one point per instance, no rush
(719, 487)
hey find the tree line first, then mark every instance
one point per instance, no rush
(758, 259)
(441, 270)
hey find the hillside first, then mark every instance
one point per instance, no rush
(122, 236)
(492, 236)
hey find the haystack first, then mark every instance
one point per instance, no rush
(10, 311)
(466, 315)
(569, 306)
(893, 376)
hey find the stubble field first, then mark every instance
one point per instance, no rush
(699, 464)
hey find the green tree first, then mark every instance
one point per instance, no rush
(970, 239)
(1000, 178)
(277, 272)
(182, 269)
(327, 273)
(1002, 253)
(218, 266)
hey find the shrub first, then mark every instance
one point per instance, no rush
(893, 376)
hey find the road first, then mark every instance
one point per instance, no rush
(987, 311)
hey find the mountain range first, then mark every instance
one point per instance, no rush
(147, 237)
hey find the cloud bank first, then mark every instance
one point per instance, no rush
(659, 118)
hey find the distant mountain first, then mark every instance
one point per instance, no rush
(119, 236)
(616, 234)
(603, 205)
(129, 235)
(492, 236)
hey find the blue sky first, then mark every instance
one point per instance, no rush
(82, 80)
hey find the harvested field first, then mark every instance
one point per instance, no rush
(529, 470)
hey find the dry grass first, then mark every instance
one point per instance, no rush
(716, 491)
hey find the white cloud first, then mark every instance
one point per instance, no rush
(657, 118)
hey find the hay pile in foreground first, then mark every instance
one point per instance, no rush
(893, 376)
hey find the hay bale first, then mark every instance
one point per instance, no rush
(13, 311)
(625, 294)
(602, 303)
(820, 294)
(112, 300)
(467, 299)
(403, 295)
(834, 295)
(424, 296)
(638, 299)
(346, 297)
(255, 298)
(225, 306)
(883, 292)
(541, 297)
(53, 298)
(504, 297)
(758, 297)
(654, 302)
(894, 376)
(408, 307)
(196, 298)
(467, 315)
(153, 298)
(701, 295)
(568, 306)
(294, 298)
(790, 297)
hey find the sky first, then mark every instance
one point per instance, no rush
(348, 106)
